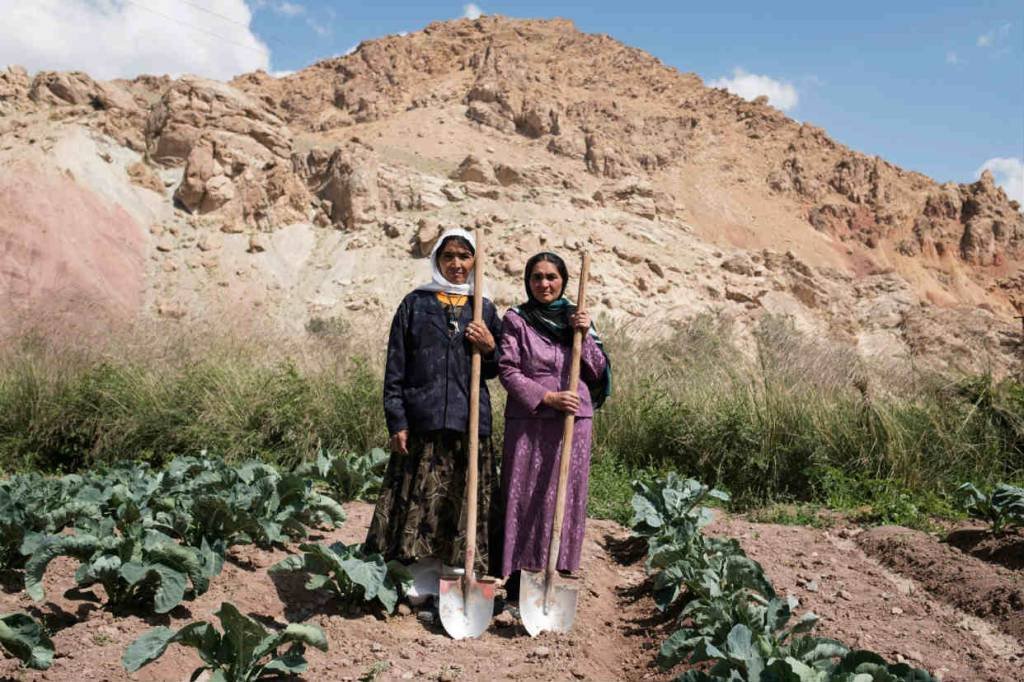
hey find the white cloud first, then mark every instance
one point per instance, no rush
(289, 9)
(952, 58)
(115, 38)
(751, 85)
(996, 35)
(1008, 173)
(350, 50)
(318, 28)
(471, 11)
(283, 73)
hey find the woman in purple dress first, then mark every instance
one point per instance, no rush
(534, 358)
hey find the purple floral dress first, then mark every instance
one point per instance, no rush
(529, 366)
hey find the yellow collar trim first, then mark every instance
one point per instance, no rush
(452, 299)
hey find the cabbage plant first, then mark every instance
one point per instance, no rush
(349, 476)
(25, 639)
(1003, 508)
(244, 651)
(352, 576)
(136, 566)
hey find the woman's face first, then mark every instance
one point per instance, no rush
(456, 262)
(545, 282)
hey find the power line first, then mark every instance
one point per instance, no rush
(196, 28)
(216, 14)
(266, 35)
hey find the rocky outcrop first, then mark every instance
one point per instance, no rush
(236, 155)
(56, 88)
(14, 88)
(473, 169)
(347, 183)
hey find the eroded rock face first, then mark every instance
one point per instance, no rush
(81, 252)
(874, 203)
(14, 88)
(236, 154)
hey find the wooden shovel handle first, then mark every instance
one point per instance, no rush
(474, 409)
(570, 423)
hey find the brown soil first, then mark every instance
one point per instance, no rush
(617, 628)
(605, 643)
(972, 585)
(866, 606)
(1007, 550)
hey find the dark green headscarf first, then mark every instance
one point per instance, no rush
(551, 320)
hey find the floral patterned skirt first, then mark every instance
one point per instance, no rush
(421, 510)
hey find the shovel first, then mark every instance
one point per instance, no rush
(545, 604)
(467, 604)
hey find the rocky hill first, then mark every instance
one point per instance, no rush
(313, 197)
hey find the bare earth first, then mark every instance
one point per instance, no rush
(617, 627)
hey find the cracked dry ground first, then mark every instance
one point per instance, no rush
(617, 632)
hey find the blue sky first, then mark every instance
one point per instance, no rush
(936, 87)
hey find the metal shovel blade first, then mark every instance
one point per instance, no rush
(466, 611)
(561, 607)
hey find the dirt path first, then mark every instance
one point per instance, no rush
(617, 628)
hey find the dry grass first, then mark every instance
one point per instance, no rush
(777, 416)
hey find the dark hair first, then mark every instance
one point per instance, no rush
(546, 257)
(454, 239)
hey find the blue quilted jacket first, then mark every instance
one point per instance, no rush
(426, 380)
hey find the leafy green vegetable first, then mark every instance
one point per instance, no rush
(137, 567)
(349, 476)
(1003, 508)
(32, 505)
(672, 502)
(24, 638)
(742, 660)
(732, 616)
(245, 650)
(353, 576)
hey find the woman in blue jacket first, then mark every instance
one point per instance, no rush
(420, 516)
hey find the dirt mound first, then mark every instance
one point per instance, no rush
(864, 605)
(972, 585)
(545, 138)
(1007, 550)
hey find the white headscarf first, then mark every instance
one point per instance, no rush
(437, 281)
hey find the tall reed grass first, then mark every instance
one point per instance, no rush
(777, 416)
(798, 418)
(148, 396)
